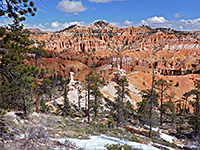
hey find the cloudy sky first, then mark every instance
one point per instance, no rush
(54, 15)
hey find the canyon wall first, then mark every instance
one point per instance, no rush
(175, 52)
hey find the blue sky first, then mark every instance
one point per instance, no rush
(58, 14)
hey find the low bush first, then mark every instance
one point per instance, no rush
(119, 147)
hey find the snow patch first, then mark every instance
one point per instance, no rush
(98, 143)
(169, 148)
(35, 114)
(167, 137)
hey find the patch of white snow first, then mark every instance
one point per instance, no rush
(35, 114)
(167, 137)
(169, 148)
(99, 142)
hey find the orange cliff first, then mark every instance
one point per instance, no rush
(81, 48)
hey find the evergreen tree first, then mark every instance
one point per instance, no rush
(170, 108)
(145, 105)
(162, 85)
(66, 106)
(121, 110)
(61, 89)
(88, 87)
(43, 107)
(97, 82)
(195, 118)
(44, 90)
(38, 52)
(79, 90)
(18, 78)
(152, 99)
(130, 111)
(94, 82)
(185, 98)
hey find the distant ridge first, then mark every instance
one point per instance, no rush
(100, 23)
(68, 28)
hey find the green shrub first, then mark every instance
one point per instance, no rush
(2, 112)
(134, 139)
(163, 142)
(119, 147)
(43, 107)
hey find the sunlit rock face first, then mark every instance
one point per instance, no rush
(102, 47)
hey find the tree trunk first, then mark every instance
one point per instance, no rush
(24, 102)
(118, 108)
(118, 113)
(197, 99)
(186, 99)
(79, 101)
(89, 101)
(37, 98)
(123, 108)
(85, 102)
(161, 109)
(197, 114)
(95, 110)
(152, 98)
(36, 78)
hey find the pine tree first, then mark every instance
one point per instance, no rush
(38, 52)
(19, 77)
(152, 99)
(94, 82)
(170, 107)
(122, 91)
(195, 118)
(66, 106)
(79, 90)
(130, 111)
(162, 85)
(88, 87)
(97, 82)
(145, 105)
(185, 98)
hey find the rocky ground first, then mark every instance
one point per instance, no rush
(39, 131)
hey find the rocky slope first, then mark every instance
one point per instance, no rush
(51, 132)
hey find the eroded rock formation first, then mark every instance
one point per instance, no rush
(78, 48)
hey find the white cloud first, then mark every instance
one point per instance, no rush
(128, 23)
(177, 15)
(155, 20)
(58, 26)
(103, 1)
(161, 22)
(54, 26)
(125, 24)
(71, 6)
(41, 26)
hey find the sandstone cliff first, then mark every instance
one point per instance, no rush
(135, 49)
